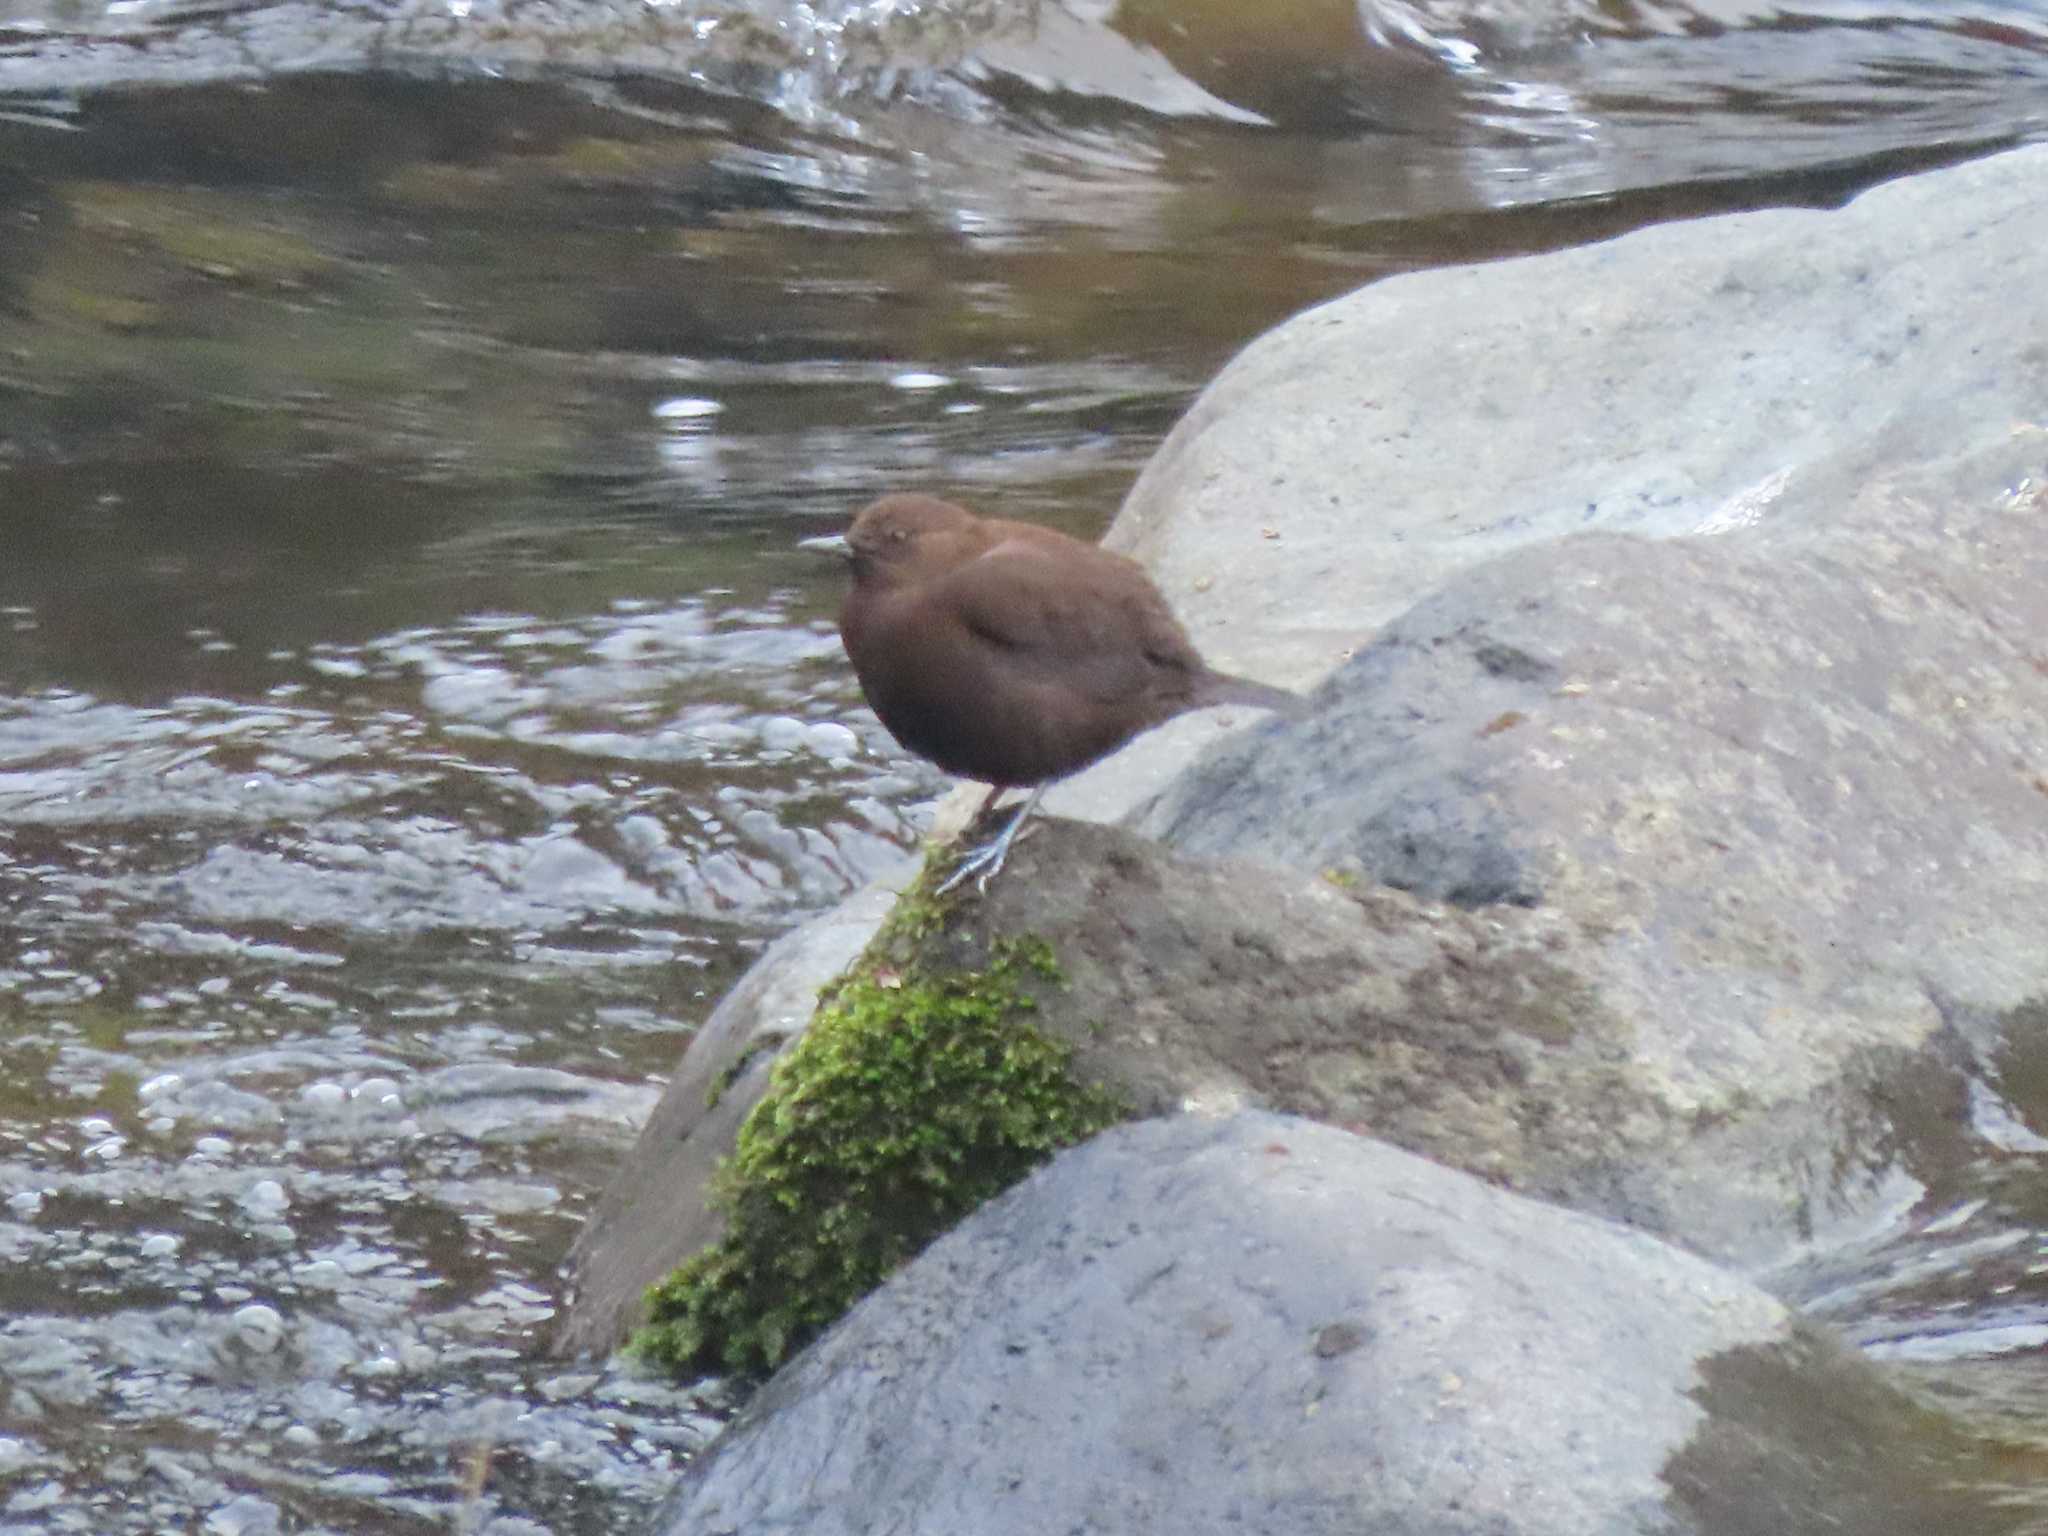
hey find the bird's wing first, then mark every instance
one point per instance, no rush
(1097, 626)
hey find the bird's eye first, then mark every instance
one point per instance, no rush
(898, 535)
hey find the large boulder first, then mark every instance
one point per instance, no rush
(1563, 1056)
(1263, 1326)
(1734, 375)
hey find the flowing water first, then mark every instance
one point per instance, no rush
(414, 709)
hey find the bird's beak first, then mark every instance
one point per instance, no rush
(828, 544)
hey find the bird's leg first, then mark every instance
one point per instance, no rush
(986, 860)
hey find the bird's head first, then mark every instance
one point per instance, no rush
(904, 537)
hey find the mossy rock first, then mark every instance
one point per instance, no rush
(914, 1096)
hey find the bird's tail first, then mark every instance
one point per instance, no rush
(1223, 688)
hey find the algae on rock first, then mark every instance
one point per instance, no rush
(914, 1096)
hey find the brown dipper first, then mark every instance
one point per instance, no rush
(1012, 654)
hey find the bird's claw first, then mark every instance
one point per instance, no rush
(985, 862)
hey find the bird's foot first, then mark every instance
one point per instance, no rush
(984, 863)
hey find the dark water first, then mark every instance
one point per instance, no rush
(414, 709)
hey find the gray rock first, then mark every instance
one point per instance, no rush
(1782, 782)
(1752, 374)
(1775, 769)
(1531, 1047)
(1753, 371)
(1264, 1325)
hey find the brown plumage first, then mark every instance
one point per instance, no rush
(1012, 654)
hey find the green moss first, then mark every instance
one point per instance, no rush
(920, 913)
(911, 1099)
